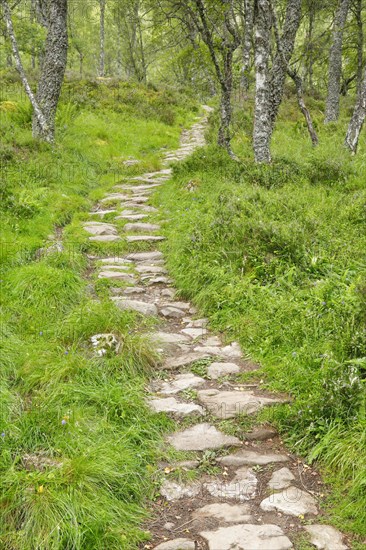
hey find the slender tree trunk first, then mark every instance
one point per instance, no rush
(224, 137)
(360, 42)
(32, 19)
(310, 47)
(357, 120)
(247, 42)
(42, 122)
(305, 111)
(53, 68)
(335, 63)
(283, 56)
(262, 120)
(102, 38)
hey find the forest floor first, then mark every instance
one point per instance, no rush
(133, 418)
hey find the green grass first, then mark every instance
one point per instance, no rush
(275, 256)
(78, 444)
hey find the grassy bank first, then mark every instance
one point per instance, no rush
(275, 256)
(77, 441)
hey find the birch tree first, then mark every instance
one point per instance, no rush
(248, 28)
(335, 63)
(357, 120)
(45, 100)
(102, 4)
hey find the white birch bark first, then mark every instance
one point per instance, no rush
(357, 120)
(102, 39)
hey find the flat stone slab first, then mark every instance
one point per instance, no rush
(260, 434)
(100, 228)
(291, 501)
(141, 227)
(183, 360)
(195, 332)
(157, 280)
(175, 491)
(136, 199)
(247, 537)
(221, 511)
(117, 267)
(171, 405)
(131, 217)
(325, 537)
(172, 312)
(247, 458)
(102, 213)
(138, 188)
(134, 305)
(281, 479)
(243, 487)
(115, 260)
(114, 197)
(105, 238)
(228, 404)
(116, 276)
(152, 269)
(145, 256)
(144, 238)
(176, 544)
(169, 337)
(200, 438)
(134, 290)
(216, 370)
(179, 383)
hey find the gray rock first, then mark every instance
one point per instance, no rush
(260, 434)
(116, 275)
(153, 269)
(281, 479)
(176, 544)
(228, 404)
(243, 487)
(183, 360)
(172, 312)
(133, 290)
(244, 457)
(291, 501)
(136, 199)
(169, 525)
(229, 513)
(158, 281)
(179, 383)
(215, 370)
(115, 260)
(200, 438)
(247, 537)
(100, 228)
(168, 292)
(169, 337)
(174, 491)
(117, 267)
(105, 238)
(325, 537)
(141, 227)
(102, 213)
(132, 217)
(144, 238)
(198, 323)
(114, 197)
(171, 405)
(195, 332)
(141, 307)
(145, 256)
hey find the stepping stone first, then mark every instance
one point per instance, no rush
(195, 332)
(247, 537)
(244, 457)
(200, 438)
(172, 312)
(179, 383)
(133, 290)
(102, 213)
(179, 305)
(153, 269)
(141, 227)
(243, 487)
(158, 281)
(141, 307)
(115, 197)
(183, 360)
(117, 275)
(169, 337)
(131, 217)
(174, 491)
(136, 199)
(229, 513)
(115, 261)
(291, 501)
(281, 479)
(228, 404)
(145, 256)
(100, 228)
(143, 238)
(168, 292)
(176, 544)
(139, 188)
(197, 323)
(216, 370)
(325, 537)
(260, 434)
(171, 405)
(117, 267)
(137, 207)
(105, 238)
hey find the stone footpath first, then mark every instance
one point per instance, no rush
(244, 493)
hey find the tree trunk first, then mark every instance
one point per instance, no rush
(101, 39)
(357, 120)
(283, 56)
(360, 41)
(247, 42)
(53, 69)
(310, 48)
(305, 111)
(224, 137)
(335, 63)
(262, 120)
